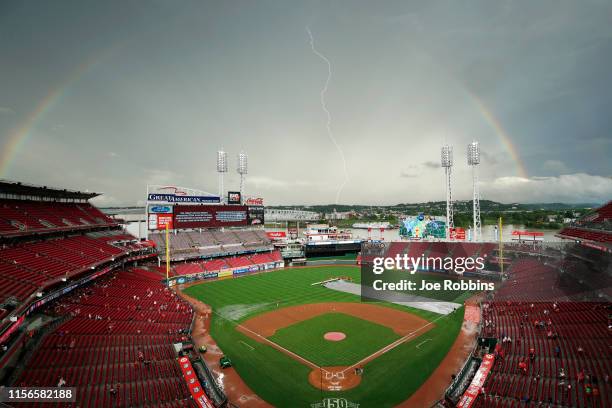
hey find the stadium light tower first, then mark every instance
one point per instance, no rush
(242, 169)
(446, 159)
(473, 157)
(221, 168)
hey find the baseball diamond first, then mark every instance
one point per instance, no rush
(308, 204)
(272, 325)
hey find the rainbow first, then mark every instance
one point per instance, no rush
(501, 134)
(19, 135)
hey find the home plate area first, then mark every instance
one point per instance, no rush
(335, 378)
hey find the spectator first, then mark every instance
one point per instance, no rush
(588, 390)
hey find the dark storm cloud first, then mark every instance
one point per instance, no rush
(148, 93)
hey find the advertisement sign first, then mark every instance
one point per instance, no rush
(255, 215)
(160, 209)
(231, 216)
(254, 201)
(233, 197)
(172, 198)
(276, 235)
(469, 397)
(12, 329)
(159, 221)
(460, 233)
(172, 194)
(209, 216)
(457, 233)
(193, 384)
(152, 221)
(528, 233)
(163, 220)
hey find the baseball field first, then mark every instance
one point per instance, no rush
(296, 342)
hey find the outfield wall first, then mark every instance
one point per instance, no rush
(224, 273)
(332, 262)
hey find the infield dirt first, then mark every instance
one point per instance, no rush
(265, 325)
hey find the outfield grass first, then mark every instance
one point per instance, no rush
(281, 380)
(362, 339)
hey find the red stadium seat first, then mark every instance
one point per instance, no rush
(120, 336)
(21, 217)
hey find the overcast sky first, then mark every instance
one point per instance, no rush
(110, 96)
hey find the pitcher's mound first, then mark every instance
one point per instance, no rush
(334, 336)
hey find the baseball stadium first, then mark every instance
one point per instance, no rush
(211, 310)
(305, 204)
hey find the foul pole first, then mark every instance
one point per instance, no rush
(501, 247)
(167, 254)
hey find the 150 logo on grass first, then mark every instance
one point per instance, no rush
(334, 403)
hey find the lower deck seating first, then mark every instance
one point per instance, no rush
(573, 339)
(591, 235)
(201, 243)
(214, 265)
(559, 353)
(116, 346)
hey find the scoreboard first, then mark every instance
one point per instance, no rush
(183, 208)
(204, 216)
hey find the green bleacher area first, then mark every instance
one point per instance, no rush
(345, 257)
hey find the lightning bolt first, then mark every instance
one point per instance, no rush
(330, 134)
